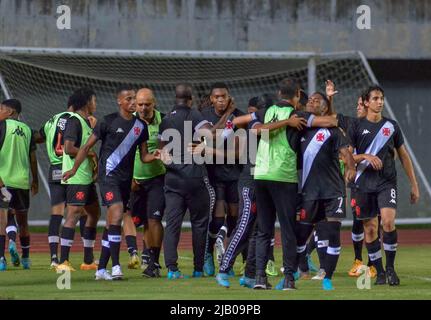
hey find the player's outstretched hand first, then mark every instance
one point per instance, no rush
(68, 174)
(165, 157)
(330, 89)
(414, 194)
(296, 122)
(375, 162)
(157, 154)
(34, 188)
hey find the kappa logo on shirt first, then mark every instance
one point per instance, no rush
(303, 139)
(365, 132)
(119, 130)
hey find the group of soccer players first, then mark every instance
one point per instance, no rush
(149, 167)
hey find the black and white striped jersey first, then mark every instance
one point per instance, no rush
(120, 138)
(379, 139)
(321, 176)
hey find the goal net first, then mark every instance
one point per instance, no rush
(43, 79)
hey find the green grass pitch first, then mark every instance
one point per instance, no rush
(40, 283)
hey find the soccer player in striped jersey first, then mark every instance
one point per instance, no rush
(375, 139)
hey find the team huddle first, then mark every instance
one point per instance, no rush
(153, 166)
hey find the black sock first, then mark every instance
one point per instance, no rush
(334, 248)
(357, 238)
(390, 243)
(375, 254)
(2, 245)
(132, 247)
(311, 244)
(231, 224)
(89, 239)
(302, 233)
(214, 227)
(156, 251)
(105, 252)
(67, 235)
(146, 255)
(82, 222)
(25, 246)
(54, 234)
(114, 236)
(11, 228)
(322, 242)
(221, 235)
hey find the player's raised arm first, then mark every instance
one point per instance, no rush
(408, 168)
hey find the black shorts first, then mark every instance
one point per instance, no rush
(227, 191)
(20, 200)
(58, 193)
(149, 201)
(313, 211)
(368, 205)
(81, 195)
(114, 193)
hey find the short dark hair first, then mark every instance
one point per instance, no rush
(371, 89)
(253, 102)
(266, 100)
(303, 98)
(184, 91)
(124, 87)
(288, 87)
(13, 104)
(81, 97)
(219, 85)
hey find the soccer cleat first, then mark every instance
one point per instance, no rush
(311, 266)
(372, 272)
(116, 273)
(219, 249)
(262, 283)
(223, 279)
(172, 275)
(65, 266)
(145, 262)
(209, 267)
(320, 275)
(355, 270)
(14, 254)
(26, 263)
(133, 262)
(102, 274)
(381, 279)
(53, 265)
(392, 277)
(270, 270)
(285, 284)
(86, 267)
(247, 282)
(327, 284)
(3, 264)
(151, 271)
(197, 274)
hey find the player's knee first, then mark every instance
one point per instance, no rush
(388, 225)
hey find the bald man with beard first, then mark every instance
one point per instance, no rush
(147, 201)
